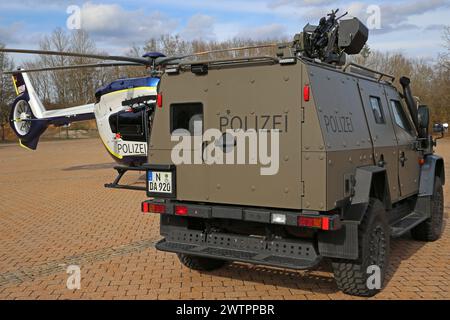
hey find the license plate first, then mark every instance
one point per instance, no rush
(160, 182)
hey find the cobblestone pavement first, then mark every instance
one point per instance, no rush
(55, 212)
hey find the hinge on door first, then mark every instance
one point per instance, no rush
(302, 188)
(302, 114)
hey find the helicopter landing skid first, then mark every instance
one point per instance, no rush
(121, 170)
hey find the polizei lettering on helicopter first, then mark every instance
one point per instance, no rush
(131, 148)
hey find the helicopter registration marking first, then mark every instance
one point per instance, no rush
(159, 181)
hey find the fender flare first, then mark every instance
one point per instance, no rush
(433, 166)
(370, 181)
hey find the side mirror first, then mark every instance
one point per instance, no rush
(423, 114)
(438, 128)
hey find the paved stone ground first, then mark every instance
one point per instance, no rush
(54, 212)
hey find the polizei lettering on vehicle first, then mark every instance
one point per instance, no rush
(257, 122)
(338, 124)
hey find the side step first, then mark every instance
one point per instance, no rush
(407, 223)
(277, 253)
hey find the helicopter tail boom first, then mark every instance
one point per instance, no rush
(29, 118)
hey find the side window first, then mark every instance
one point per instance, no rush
(375, 103)
(186, 118)
(400, 117)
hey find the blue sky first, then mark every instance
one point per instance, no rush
(413, 27)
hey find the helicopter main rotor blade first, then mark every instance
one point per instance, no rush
(79, 66)
(80, 55)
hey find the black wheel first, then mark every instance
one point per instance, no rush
(431, 229)
(374, 240)
(201, 263)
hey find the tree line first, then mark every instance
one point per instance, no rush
(58, 89)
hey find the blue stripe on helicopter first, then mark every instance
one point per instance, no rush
(122, 84)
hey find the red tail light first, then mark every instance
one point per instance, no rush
(181, 210)
(153, 208)
(324, 223)
(310, 222)
(159, 100)
(306, 92)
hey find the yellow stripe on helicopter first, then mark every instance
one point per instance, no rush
(137, 88)
(15, 85)
(24, 146)
(118, 156)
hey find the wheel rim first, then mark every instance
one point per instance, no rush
(22, 113)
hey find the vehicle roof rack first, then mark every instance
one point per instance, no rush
(231, 61)
(380, 74)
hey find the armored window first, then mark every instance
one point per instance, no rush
(400, 116)
(186, 119)
(375, 103)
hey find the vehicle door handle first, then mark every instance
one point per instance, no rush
(403, 159)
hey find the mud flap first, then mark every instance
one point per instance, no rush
(342, 243)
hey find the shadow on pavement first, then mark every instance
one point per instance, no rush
(97, 166)
(319, 279)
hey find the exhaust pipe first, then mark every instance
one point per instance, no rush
(405, 82)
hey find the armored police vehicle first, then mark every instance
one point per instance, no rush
(354, 162)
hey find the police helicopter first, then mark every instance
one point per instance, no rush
(123, 109)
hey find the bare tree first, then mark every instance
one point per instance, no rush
(6, 91)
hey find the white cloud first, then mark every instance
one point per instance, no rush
(113, 23)
(264, 32)
(198, 27)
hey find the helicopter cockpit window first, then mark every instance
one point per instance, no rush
(400, 116)
(186, 119)
(375, 103)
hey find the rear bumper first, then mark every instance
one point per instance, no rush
(327, 222)
(293, 254)
(201, 229)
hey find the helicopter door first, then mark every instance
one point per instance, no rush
(381, 131)
(408, 164)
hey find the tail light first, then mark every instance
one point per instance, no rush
(153, 208)
(181, 210)
(323, 222)
(310, 222)
(159, 100)
(306, 92)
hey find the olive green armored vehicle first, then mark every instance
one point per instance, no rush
(352, 160)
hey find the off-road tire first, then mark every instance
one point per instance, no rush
(373, 239)
(431, 229)
(201, 263)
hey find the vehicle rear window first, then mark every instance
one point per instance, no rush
(184, 117)
(377, 109)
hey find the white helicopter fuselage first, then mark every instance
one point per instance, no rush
(122, 127)
(110, 105)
